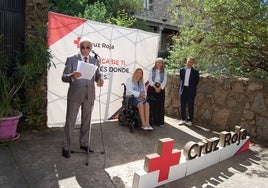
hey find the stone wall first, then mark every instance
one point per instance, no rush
(36, 19)
(35, 16)
(222, 103)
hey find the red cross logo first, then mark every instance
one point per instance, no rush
(165, 157)
(77, 42)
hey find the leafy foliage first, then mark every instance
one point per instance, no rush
(96, 12)
(119, 12)
(37, 61)
(226, 37)
(11, 80)
(8, 94)
(123, 19)
(70, 7)
(128, 6)
(22, 84)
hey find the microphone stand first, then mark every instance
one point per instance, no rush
(88, 151)
(88, 148)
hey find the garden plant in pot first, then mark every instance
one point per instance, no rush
(22, 78)
(9, 115)
(12, 77)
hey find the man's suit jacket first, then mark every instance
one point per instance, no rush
(79, 88)
(193, 80)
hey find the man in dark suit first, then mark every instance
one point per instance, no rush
(81, 93)
(189, 78)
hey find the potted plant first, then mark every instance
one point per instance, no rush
(9, 117)
(10, 83)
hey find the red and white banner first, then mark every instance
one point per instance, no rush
(121, 50)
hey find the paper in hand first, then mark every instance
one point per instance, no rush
(86, 69)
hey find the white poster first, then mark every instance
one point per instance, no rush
(121, 51)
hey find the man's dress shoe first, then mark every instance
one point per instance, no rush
(86, 148)
(66, 153)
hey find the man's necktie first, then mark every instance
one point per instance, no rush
(85, 59)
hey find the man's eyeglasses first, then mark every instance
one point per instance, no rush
(85, 47)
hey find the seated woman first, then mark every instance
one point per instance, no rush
(135, 86)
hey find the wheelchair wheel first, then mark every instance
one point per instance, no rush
(132, 127)
(121, 118)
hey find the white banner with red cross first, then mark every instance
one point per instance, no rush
(121, 51)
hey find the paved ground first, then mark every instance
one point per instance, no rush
(35, 160)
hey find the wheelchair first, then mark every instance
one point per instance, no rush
(129, 115)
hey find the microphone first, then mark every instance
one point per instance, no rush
(96, 55)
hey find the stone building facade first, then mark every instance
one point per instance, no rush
(222, 103)
(157, 10)
(157, 16)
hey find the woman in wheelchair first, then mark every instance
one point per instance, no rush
(135, 86)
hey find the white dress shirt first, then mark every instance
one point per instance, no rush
(187, 76)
